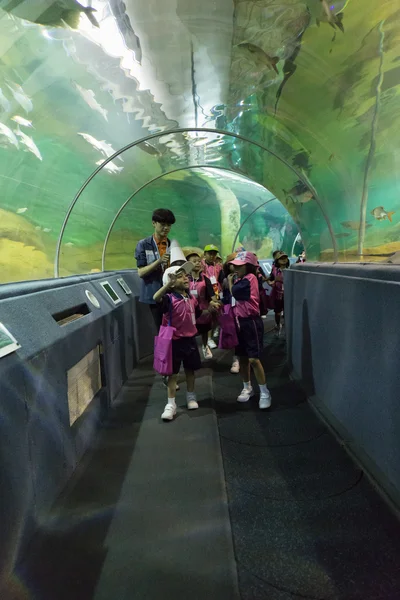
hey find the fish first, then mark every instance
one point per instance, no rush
(330, 14)
(244, 205)
(261, 56)
(354, 225)
(29, 143)
(46, 230)
(89, 98)
(150, 149)
(38, 228)
(106, 149)
(305, 197)
(4, 102)
(21, 121)
(61, 13)
(111, 167)
(297, 189)
(69, 244)
(21, 211)
(9, 135)
(380, 214)
(332, 156)
(20, 97)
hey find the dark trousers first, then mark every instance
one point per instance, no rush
(157, 314)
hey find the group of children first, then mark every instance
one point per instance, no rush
(194, 290)
(188, 291)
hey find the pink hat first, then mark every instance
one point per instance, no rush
(245, 258)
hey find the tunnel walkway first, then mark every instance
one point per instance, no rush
(154, 513)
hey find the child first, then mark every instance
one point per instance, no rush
(214, 272)
(276, 281)
(250, 326)
(184, 310)
(302, 257)
(228, 268)
(202, 289)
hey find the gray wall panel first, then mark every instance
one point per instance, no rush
(343, 343)
(38, 448)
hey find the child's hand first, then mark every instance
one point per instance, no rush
(214, 306)
(231, 276)
(172, 280)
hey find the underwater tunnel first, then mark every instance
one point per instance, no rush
(262, 125)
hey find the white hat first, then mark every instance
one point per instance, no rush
(187, 267)
(176, 252)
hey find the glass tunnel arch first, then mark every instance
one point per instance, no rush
(158, 177)
(299, 175)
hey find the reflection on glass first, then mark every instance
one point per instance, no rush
(316, 83)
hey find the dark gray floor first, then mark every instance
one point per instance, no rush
(306, 522)
(146, 517)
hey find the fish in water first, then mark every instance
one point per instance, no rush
(149, 149)
(60, 13)
(101, 145)
(332, 156)
(380, 214)
(21, 121)
(297, 189)
(244, 205)
(46, 229)
(4, 102)
(89, 98)
(9, 136)
(21, 211)
(261, 57)
(20, 97)
(28, 143)
(110, 167)
(354, 225)
(304, 197)
(334, 20)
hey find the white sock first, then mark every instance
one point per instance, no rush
(171, 401)
(247, 386)
(264, 389)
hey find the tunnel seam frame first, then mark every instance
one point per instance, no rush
(187, 130)
(178, 169)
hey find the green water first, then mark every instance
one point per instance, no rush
(329, 117)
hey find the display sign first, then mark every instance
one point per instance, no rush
(8, 343)
(124, 286)
(110, 292)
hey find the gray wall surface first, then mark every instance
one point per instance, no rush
(343, 327)
(38, 448)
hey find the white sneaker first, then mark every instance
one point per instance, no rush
(169, 412)
(192, 404)
(245, 395)
(235, 367)
(207, 353)
(211, 344)
(216, 333)
(265, 400)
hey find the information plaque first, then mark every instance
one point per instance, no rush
(8, 343)
(124, 286)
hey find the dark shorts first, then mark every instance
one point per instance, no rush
(250, 336)
(204, 328)
(185, 351)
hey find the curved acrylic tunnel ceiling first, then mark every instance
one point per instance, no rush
(323, 98)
